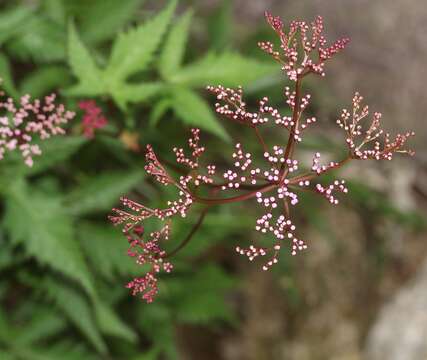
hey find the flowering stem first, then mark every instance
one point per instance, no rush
(295, 117)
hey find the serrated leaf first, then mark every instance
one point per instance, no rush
(106, 250)
(174, 47)
(115, 14)
(133, 50)
(6, 77)
(135, 93)
(199, 299)
(39, 223)
(45, 79)
(83, 66)
(40, 39)
(194, 111)
(111, 324)
(88, 198)
(228, 69)
(77, 309)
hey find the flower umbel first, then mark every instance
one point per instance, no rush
(273, 177)
(21, 125)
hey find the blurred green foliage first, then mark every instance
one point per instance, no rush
(62, 264)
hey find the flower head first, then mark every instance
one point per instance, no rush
(92, 118)
(21, 125)
(309, 37)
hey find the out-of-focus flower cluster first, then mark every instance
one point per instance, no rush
(272, 177)
(92, 118)
(21, 125)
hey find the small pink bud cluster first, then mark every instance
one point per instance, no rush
(320, 169)
(272, 177)
(327, 192)
(352, 124)
(234, 108)
(150, 252)
(19, 125)
(297, 63)
(147, 252)
(92, 118)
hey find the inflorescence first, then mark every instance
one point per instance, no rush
(93, 118)
(20, 126)
(274, 181)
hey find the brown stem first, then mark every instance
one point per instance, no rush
(260, 139)
(190, 234)
(291, 140)
(249, 195)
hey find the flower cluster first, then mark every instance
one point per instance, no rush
(21, 125)
(272, 177)
(92, 118)
(356, 132)
(307, 37)
(147, 252)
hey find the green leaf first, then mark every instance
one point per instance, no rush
(62, 349)
(4, 326)
(106, 250)
(152, 354)
(157, 322)
(83, 66)
(111, 324)
(228, 69)
(45, 79)
(159, 109)
(55, 10)
(39, 223)
(40, 39)
(12, 21)
(220, 26)
(110, 15)
(193, 110)
(44, 323)
(174, 47)
(134, 93)
(200, 298)
(100, 193)
(54, 151)
(6, 355)
(77, 309)
(132, 51)
(7, 82)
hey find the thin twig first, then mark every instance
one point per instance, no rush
(191, 233)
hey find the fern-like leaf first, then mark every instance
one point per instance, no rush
(38, 222)
(133, 50)
(174, 47)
